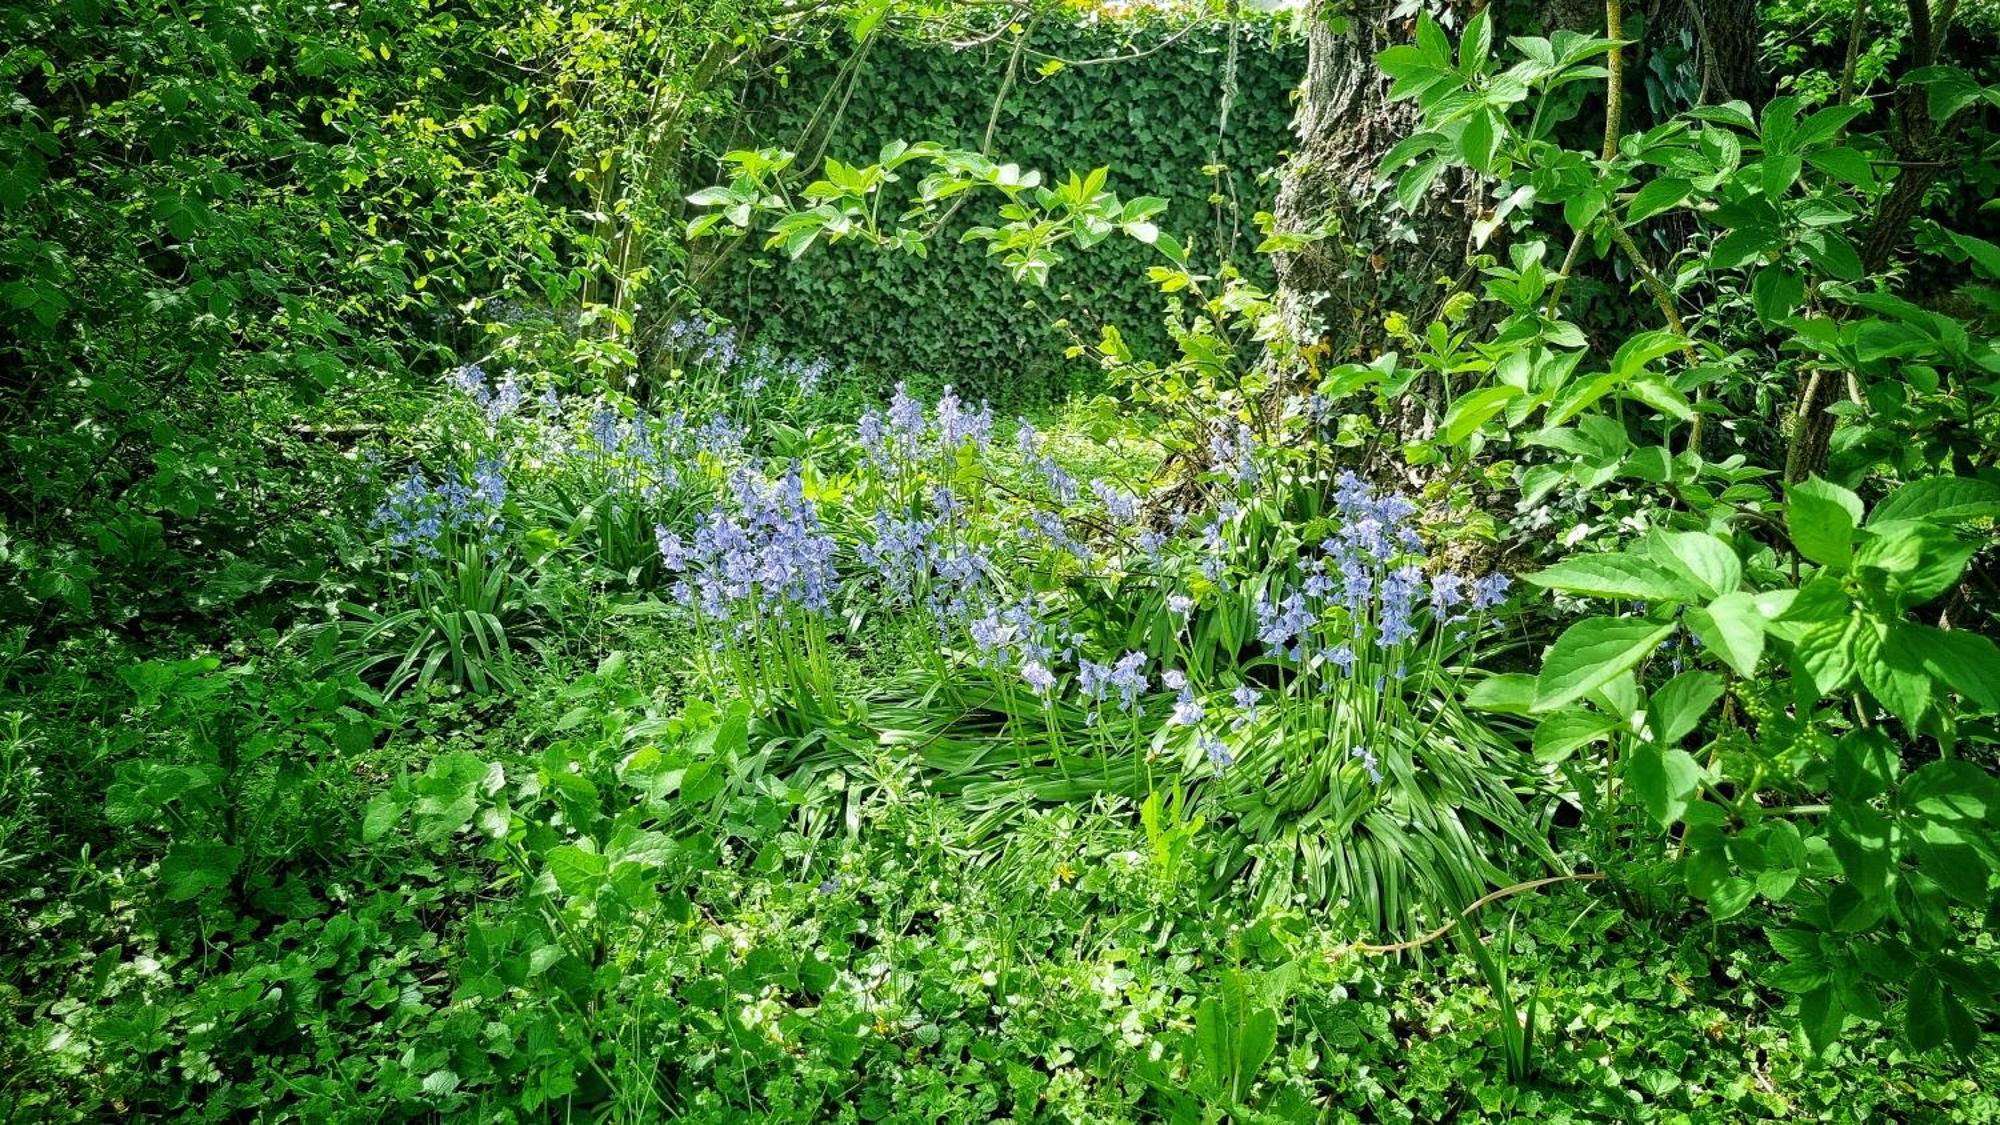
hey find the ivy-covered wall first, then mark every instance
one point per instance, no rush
(1155, 121)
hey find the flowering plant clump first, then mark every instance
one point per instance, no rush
(1071, 636)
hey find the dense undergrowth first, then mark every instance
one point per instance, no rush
(479, 693)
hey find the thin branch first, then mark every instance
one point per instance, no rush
(1496, 896)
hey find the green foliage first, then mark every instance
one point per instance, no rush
(1157, 122)
(1889, 862)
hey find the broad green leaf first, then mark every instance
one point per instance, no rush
(1475, 409)
(576, 871)
(1566, 731)
(381, 815)
(1511, 693)
(1677, 708)
(1940, 500)
(1616, 575)
(1822, 518)
(1984, 254)
(1656, 196)
(1827, 649)
(1592, 652)
(1968, 662)
(1708, 562)
(1890, 664)
(1663, 780)
(191, 869)
(1732, 628)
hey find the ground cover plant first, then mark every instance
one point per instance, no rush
(1516, 644)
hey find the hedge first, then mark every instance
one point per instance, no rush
(1155, 121)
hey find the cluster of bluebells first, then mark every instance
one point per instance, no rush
(710, 345)
(1028, 443)
(1126, 676)
(763, 553)
(718, 348)
(908, 435)
(496, 402)
(1374, 568)
(929, 561)
(419, 514)
(1232, 449)
(648, 454)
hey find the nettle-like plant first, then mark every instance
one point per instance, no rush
(1830, 685)
(1831, 784)
(1791, 209)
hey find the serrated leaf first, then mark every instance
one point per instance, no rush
(1615, 575)
(1563, 733)
(1709, 563)
(1656, 196)
(1591, 653)
(1821, 518)
(1663, 780)
(1676, 709)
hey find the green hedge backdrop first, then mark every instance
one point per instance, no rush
(1156, 121)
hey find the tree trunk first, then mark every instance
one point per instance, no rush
(1335, 293)
(1921, 146)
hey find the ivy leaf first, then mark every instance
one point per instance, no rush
(1591, 653)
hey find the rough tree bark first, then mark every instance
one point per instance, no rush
(1334, 293)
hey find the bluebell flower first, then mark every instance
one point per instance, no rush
(1232, 450)
(506, 398)
(1368, 762)
(1119, 504)
(1246, 699)
(470, 380)
(1129, 677)
(1217, 751)
(1038, 677)
(1490, 591)
(1448, 591)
